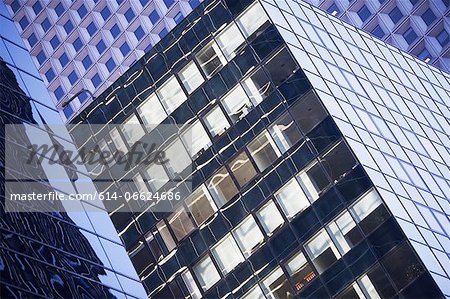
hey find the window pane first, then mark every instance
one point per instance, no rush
(276, 285)
(195, 138)
(352, 292)
(165, 235)
(253, 18)
(300, 270)
(258, 86)
(263, 150)
(178, 157)
(280, 66)
(270, 217)
(222, 187)
(216, 121)
(171, 95)
(242, 169)
(368, 288)
(236, 103)
(156, 176)
(322, 251)
(230, 40)
(313, 180)
(201, 205)
(248, 235)
(254, 293)
(344, 232)
(284, 132)
(227, 254)
(117, 140)
(132, 130)
(211, 59)
(180, 223)
(369, 211)
(191, 285)
(191, 77)
(206, 273)
(309, 112)
(291, 198)
(151, 112)
(338, 161)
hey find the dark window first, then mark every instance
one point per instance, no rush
(424, 55)
(82, 97)
(280, 66)
(15, 6)
(395, 15)
(73, 77)
(82, 11)
(139, 33)
(143, 2)
(309, 112)
(23, 22)
(338, 162)
(91, 28)
(54, 42)
(41, 57)
(32, 40)
(96, 80)
(333, 9)
(87, 62)
(428, 17)
(410, 36)
(194, 3)
(129, 15)
(59, 9)
(284, 132)
(300, 270)
(105, 13)
(101, 47)
(364, 13)
(381, 282)
(68, 111)
(413, 2)
(115, 30)
(163, 32)
(154, 17)
(50, 75)
(77, 44)
(37, 7)
(443, 38)
(45, 25)
(168, 3)
(124, 49)
(63, 59)
(378, 32)
(178, 17)
(110, 64)
(142, 259)
(68, 26)
(59, 93)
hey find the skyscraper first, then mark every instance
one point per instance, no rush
(73, 253)
(87, 45)
(319, 158)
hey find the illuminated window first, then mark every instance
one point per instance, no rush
(151, 112)
(236, 103)
(201, 205)
(180, 223)
(263, 150)
(216, 121)
(322, 251)
(300, 270)
(269, 217)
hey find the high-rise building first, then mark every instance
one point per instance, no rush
(319, 158)
(66, 254)
(87, 45)
(420, 27)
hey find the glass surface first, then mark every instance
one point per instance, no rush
(280, 66)
(344, 232)
(276, 285)
(201, 205)
(206, 273)
(284, 132)
(248, 235)
(291, 198)
(222, 187)
(178, 158)
(308, 112)
(195, 138)
(230, 40)
(216, 121)
(258, 86)
(171, 94)
(132, 130)
(300, 270)
(165, 235)
(236, 103)
(189, 281)
(180, 223)
(242, 169)
(269, 217)
(253, 18)
(211, 59)
(263, 151)
(364, 13)
(191, 77)
(227, 254)
(156, 176)
(322, 251)
(151, 112)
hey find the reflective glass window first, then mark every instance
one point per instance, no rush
(227, 254)
(132, 130)
(154, 17)
(41, 57)
(252, 18)
(300, 270)
(322, 251)
(82, 11)
(180, 223)
(115, 31)
(164, 233)
(236, 103)
(284, 132)
(37, 7)
(178, 17)
(63, 59)
(344, 232)
(105, 13)
(395, 14)
(110, 64)
(281, 66)
(87, 62)
(68, 111)
(263, 150)
(269, 217)
(443, 38)
(189, 281)
(50, 75)
(125, 49)
(171, 94)
(308, 112)
(91, 28)
(216, 121)
(73, 77)
(230, 40)
(206, 273)
(129, 15)
(242, 169)
(45, 25)
(195, 138)
(68, 26)
(222, 187)
(151, 112)
(32, 40)
(23, 22)
(77, 44)
(276, 285)
(258, 86)
(201, 205)
(410, 35)
(211, 59)
(369, 211)
(191, 77)
(364, 13)
(248, 235)
(101, 47)
(96, 80)
(156, 176)
(139, 33)
(378, 32)
(59, 9)
(292, 198)
(428, 17)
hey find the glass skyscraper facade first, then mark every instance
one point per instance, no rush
(319, 158)
(420, 27)
(53, 254)
(88, 44)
